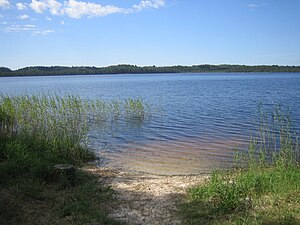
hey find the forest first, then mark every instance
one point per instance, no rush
(133, 69)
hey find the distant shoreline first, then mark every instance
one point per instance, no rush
(132, 69)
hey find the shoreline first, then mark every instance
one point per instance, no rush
(157, 73)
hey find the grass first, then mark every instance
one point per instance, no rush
(264, 186)
(27, 200)
(37, 132)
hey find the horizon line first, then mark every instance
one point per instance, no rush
(153, 65)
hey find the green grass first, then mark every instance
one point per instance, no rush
(264, 186)
(27, 200)
(37, 132)
(256, 196)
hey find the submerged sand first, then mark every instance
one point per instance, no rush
(180, 157)
(144, 198)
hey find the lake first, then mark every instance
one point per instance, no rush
(198, 121)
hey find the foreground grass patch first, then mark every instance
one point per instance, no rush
(257, 196)
(32, 201)
(264, 188)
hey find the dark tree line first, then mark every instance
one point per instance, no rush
(132, 69)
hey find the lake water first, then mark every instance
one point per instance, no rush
(201, 117)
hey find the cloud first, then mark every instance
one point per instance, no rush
(37, 6)
(21, 6)
(23, 17)
(4, 4)
(253, 6)
(20, 28)
(53, 6)
(43, 32)
(149, 4)
(28, 28)
(30, 25)
(77, 9)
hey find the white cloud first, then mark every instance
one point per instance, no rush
(77, 9)
(62, 22)
(20, 28)
(21, 6)
(23, 17)
(253, 6)
(48, 18)
(53, 6)
(149, 4)
(37, 6)
(4, 4)
(28, 28)
(43, 32)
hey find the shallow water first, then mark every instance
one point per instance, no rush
(199, 118)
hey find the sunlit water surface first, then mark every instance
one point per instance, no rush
(197, 122)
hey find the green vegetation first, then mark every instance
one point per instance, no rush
(132, 69)
(38, 132)
(264, 187)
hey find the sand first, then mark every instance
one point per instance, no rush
(144, 198)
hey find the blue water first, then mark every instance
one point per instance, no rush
(202, 117)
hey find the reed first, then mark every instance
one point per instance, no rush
(276, 141)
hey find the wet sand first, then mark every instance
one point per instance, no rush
(180, 157)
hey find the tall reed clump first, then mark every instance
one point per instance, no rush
(262, 188)
(55, 128)
(276, 142)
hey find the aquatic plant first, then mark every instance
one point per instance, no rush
(60, 125)
(276, 141)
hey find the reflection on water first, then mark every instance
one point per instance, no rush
(181, 157)
(202, 117)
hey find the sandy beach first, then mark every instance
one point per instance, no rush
(144, 198)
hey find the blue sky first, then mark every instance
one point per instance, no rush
(149, 32)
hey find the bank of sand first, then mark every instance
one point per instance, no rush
(144, 198)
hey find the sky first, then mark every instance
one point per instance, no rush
(149, 32)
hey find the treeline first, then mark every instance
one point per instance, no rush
(132, 69)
